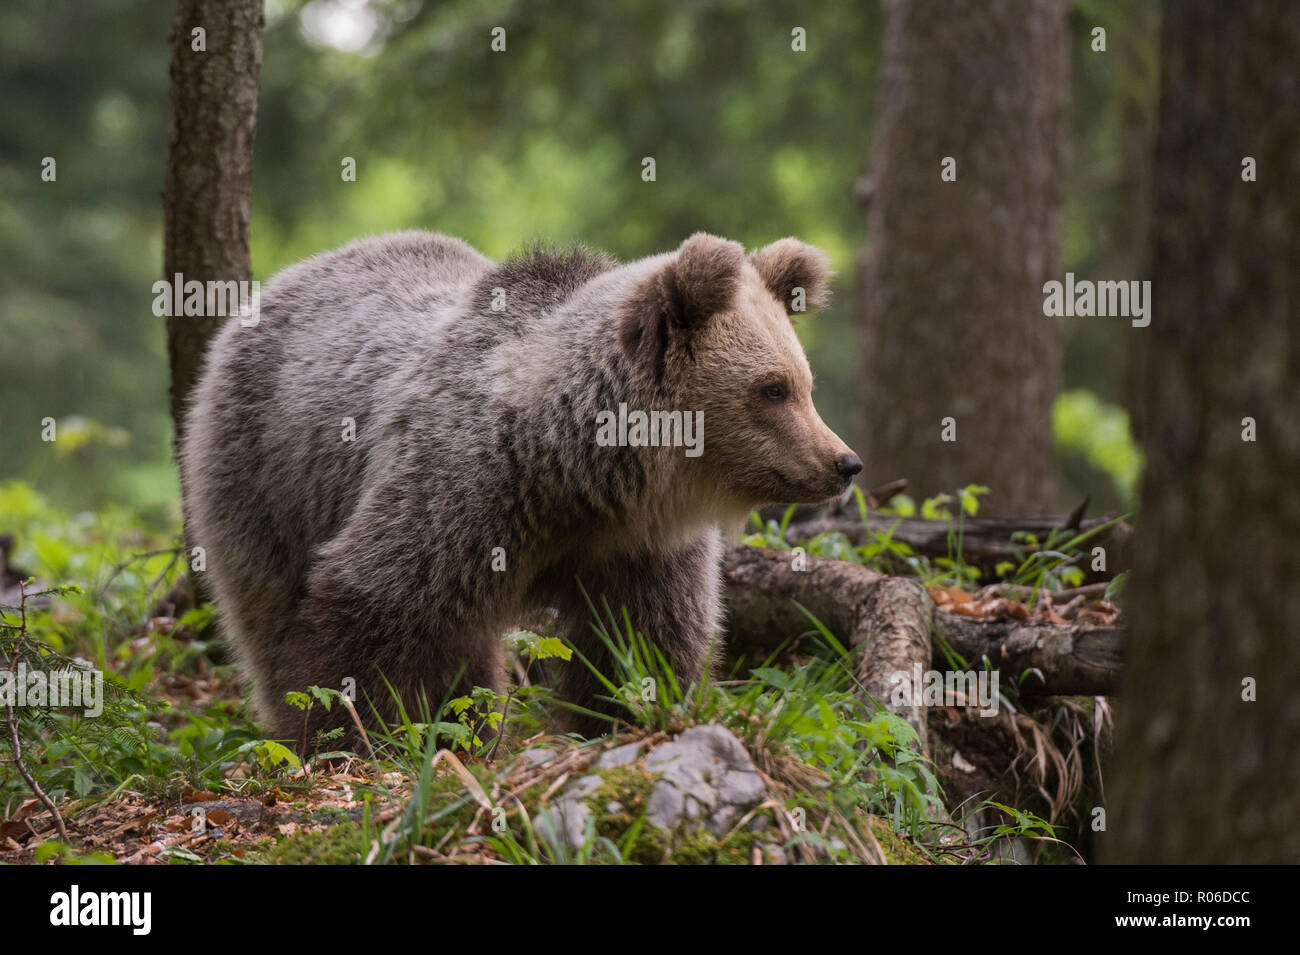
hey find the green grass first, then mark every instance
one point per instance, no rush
(835, 758)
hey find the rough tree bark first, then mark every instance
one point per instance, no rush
(1200, 775)
(950, 297)
(1072, 659)
(208, 182)
(891, 619)
(888, 617)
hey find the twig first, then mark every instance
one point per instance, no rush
(1073, 522)
(165, 571)
(360, 729)
(1086, 590)
(118, 568)
(879, 496)
(11, 714)
(504, 716)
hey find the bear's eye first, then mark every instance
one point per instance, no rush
(774, 392)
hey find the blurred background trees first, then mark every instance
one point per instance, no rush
(959, 367)
(751, 139)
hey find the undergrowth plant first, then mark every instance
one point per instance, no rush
(1050, 564)
(832, 752)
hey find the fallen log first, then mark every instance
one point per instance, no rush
(887, 617)
(892, 619)
(1070, 660)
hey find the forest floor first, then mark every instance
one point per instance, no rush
(176, 771)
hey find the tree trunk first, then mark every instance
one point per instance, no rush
(1201, 774)
(950, 300)
(209, 166)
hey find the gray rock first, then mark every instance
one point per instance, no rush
(705, 778)
(620, 756)
(536, 756)
(567, 817)
(775, 855)
(704, 774)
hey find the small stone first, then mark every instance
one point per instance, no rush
(537, 756)
(568, 815)
(620, 756)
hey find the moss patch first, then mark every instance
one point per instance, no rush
(343, 844)
(898, 851)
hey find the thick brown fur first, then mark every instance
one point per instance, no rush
(474, 489)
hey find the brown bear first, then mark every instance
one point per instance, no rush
(413, 445)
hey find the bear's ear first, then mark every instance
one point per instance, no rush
(675, 302)
(788, 266)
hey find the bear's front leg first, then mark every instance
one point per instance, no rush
(672, 598)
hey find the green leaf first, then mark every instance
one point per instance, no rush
(827, 714)
(773, 677)
(785, 519)
(46, 851)
(536, 647)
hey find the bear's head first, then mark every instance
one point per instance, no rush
(712, 330)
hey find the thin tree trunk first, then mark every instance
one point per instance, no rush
(950, 300)
(209, 166)
(1201, 774)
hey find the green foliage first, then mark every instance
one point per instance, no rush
(1052, 564)
(640, 680)
(533, 646)
(52, 850)
(1087, 427)
(139, 741)
(811, 712)
(341, 844)
(270, 755)
(881, 552)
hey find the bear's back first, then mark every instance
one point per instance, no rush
(287, 411)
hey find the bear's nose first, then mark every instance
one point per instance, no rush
(847, 465)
